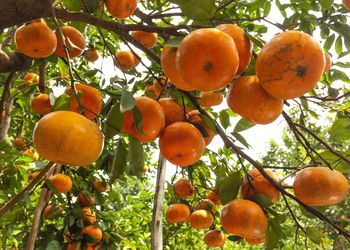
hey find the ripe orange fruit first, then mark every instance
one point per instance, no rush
(214, 197)
(88, 214)
(32, 175)
(18, 142)
(153, 119)
(93, 232)
(211, 68)
(328, 62)
(149, 91)
(201, 219)
(258, 184)
(91, 55)
(346, 4)
(209, 99)
(177, 213)
(255, 241)
(90, 98)
(30, 153)
(193, 116)
(74, 40)
(41, 104)
(100, 186)
(167, 61)
(248, 98)
(68, 138)
(159, 85)
(85, 200)
(290, 64)
(147, 39)
(244, 218)
(73, 246)
(126, 60)
(50, 210)
(215, 238)
(320, 186)
(243, 44)
(35, 39)
(121, 8)
(172, 110)
(30, 78)
(63, 183)
(3, 116)
(183, 188)
(182, 144)
(206, 204)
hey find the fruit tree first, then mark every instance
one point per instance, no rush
(134, 124)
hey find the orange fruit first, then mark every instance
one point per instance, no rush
(41, 104)
(18, 142)
(255, 241)
(91, 55)
(248, 98)
(153, 119)
(346, 4)
(85, 200)
(244, 218)
(126, 60)
(121, 8)
(214, 197)
(320, 186)
(68, 138)
(35, 39)
(177, 213)
(244, 46)
(328, 62)
(209, 99)
(50, 210)
(167, 61)
(211, 68)
(147, 39)
(93, 232)
(201, 219)
(290, 64)
(89, 97)
(259, 184)
(63, 183)
(183, 188)
(100, 186)
(172, 110)
(30, 78)
(73, 246)
(32, 175)
(149, 91)
(3, 116)
(159, 85)
(206, 204)
(182, 144)
(30, 153)
(74, 40)
(88, 214)
(194, 117)
(215, 238)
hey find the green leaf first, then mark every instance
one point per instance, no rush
(73, 5)
(339, 45)
(198, 10)
(137, 119)
(241, 139)
(208, 122)
(62, 103)
(224, 119)
(127, 101)
(135, 157)
(262, 200)
(336, 162)
(114, 121)
(53, 245)
(119, 161)
(229, 187)
(62, 67)
(243, 124)
(175, 42)
(329, 42)
(326, 4)
(340, 129)
(314, 234)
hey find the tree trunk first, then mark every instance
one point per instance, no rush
(157, 230)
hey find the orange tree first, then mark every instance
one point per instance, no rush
(92, 90)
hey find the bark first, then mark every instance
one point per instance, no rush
(157, 230)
